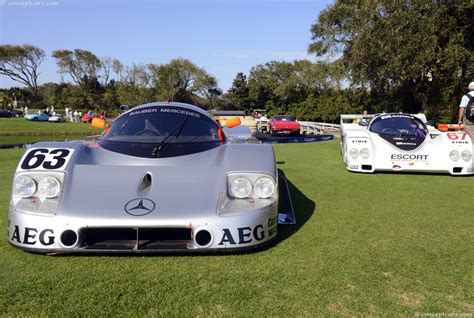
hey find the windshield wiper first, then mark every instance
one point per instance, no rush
(176, 132)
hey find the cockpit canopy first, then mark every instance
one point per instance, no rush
(162, 131)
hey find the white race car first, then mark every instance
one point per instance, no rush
(403, 142)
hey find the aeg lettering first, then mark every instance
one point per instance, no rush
(245, 235)
(31, 237)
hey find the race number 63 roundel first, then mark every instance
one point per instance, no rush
(46, 159)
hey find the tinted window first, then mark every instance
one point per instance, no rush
(162, 131)
(394, 124)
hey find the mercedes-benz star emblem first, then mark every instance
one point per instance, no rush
(139, 206)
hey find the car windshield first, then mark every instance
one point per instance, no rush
(162, 131)
(282, 117)
(398, 124)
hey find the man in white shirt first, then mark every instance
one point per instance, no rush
(466, 111)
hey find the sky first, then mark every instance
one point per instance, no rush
(222, 36)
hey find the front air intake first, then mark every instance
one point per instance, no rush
(135, 238)
(457, 169)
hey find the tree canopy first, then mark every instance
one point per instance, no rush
(420, 51)
(21, 63)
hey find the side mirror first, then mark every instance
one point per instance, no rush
(98, 123)
(232, 122)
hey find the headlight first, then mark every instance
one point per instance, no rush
(354, 153)
(240, 188)
(466, 155)
(454, 155)
(48, 187)
(264, 188)
(24, 187)
(364, 153)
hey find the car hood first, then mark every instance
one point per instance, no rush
(285, 124)
(100, 182)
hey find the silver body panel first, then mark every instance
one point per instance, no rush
(101, 188)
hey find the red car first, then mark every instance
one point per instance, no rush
(283, 124)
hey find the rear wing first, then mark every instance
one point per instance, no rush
(353, 121)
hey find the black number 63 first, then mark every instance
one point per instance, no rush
(35, 158)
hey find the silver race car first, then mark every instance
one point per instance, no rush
(403, 142)
(164, 177)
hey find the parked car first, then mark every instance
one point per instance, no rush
(283, 125)
(5, 113)
(16, 113)
(164, 178)
(37, 117)
(400, 142)
(87, 118)
(57, 118)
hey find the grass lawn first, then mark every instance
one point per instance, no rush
(23, 127)
(382, 244)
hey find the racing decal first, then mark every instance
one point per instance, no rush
(400, 156)
(396, 116)
(407, 143)
(139, 207)
(174, 110)
(46, 159)
(457, 136)
(244, 235)
(32, 236)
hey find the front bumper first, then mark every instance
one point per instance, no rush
(58, 234)
(460, 169)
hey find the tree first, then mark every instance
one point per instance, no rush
(21, 63)
(118, 68)
(419, 51)
(106, 64)
(78, 64)
(181, 80)
(238, 94)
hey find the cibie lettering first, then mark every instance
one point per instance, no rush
(409, 157)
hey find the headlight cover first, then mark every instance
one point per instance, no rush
(240, 188)
(364, 153)
(247, 192)
(24, 187)
(42, 198)
(48, 187)
(354, 153)
(466, 155)
(264, 187)
(454, 155)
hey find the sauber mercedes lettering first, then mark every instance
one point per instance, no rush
(403, 143)
(164, 177)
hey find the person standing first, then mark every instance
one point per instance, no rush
(466, 111)
(76, 115)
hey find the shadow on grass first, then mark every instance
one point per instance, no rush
(303, 208)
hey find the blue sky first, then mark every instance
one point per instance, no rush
(223, 37)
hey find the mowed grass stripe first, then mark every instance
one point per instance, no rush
(22, 127)
(365, 244)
